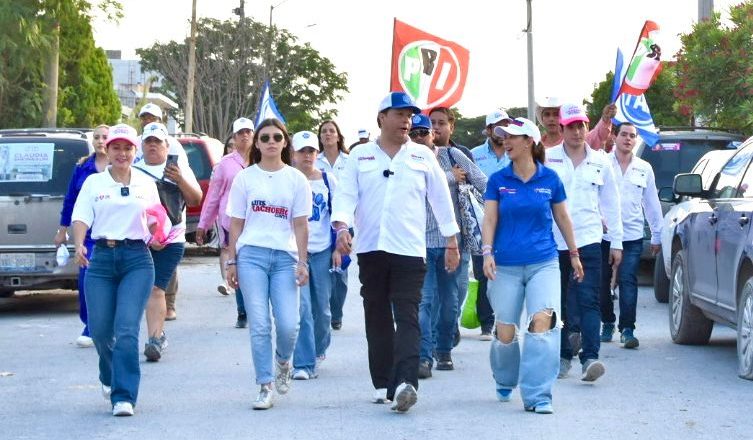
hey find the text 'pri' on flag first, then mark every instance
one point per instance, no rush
(431, 70)
(645, 64)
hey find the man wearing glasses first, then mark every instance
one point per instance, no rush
(438, 311)
(384, 189)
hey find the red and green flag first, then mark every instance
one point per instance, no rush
(429, 69)
(645, 64)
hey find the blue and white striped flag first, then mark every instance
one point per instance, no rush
(631, 108)
(267, 107)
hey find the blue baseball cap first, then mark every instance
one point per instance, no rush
(420, 120)
(398, 100)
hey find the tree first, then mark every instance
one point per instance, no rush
(230, 70)
(660, 98)
(715, 70)
(85, 91)
(469, 131)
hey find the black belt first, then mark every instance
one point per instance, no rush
(115, 243)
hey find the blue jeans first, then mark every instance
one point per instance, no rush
(438, 310)
(339, 290)
(89, 243)
(314, 333)
(268, 276)
(118, 283)
(582, 302)
(536, 285)
(239, 301)
(627, 280)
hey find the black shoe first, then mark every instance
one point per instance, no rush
(444, 362)
(456, 338)
(337, 325)
(424, 370)
(242, 321)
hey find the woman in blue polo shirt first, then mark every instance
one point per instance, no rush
(521, 262)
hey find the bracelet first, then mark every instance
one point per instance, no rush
(451, 247)
(304, 264)
(340, 229)
(230, 263)
(486, 253)
(486, 246)
(574, 253)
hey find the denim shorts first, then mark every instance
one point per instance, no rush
(165, 262)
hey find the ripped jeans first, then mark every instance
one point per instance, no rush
(537, 286)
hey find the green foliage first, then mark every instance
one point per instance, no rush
(231, 64)
(86, 96)
(469, 131)
(660, 98)
(715, 71)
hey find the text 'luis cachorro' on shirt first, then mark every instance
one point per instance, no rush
(394, 192)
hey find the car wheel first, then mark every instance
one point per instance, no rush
(687, 324)
(6, 293)
(745, 332)
(661, 281)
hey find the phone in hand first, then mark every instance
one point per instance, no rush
(171, 159)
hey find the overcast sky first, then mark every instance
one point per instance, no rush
(574, 41)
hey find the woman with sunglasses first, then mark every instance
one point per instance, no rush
(522, 265)
(332, 159)
(88, 165)
(269, 206)
(120, 272)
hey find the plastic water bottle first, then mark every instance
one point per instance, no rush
(62, 255)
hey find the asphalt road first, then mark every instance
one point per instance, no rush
(203, 387)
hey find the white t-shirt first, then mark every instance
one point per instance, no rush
(177, 232)
(111, 215)
(173, 147)
(319, 223)
(268, 202)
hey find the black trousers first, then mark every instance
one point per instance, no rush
(391, 290)
(483, 307)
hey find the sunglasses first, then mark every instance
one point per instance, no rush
(419, 132)
(277, 137)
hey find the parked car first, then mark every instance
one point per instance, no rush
(203, 153)
(36, 166)
(708, 166)
(678, 150)
(712, 258)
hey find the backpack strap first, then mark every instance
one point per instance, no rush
(147, 173)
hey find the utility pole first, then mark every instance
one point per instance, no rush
(240, 11)
(529, 35)
(191, 70)
(268, 67)
(705, 10)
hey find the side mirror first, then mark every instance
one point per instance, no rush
(688, 185)
(667, 195)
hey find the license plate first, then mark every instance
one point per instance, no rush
(17, 261)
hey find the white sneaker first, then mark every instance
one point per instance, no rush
(405, 397)
(106, 392)
(264, 399)
(380, 396)
(84, 341)
(282, 377)
(121, 409)
(301, 375)
(223, 289)
(592, 370)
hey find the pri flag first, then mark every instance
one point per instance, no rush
(267, 107)
(631, 108)
(429, 69)
(645, 64)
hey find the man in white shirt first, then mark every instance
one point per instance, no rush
(383, 190)
(637, 186)
(592, 197)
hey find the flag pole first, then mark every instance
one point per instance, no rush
(529, 36)
(637, 43)
(392, 52)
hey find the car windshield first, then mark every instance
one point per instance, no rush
(198, 161)
(672, 157)
(38, 165)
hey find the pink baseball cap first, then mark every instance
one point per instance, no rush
(123, 132)
(570, 113)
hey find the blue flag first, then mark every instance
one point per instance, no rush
(267, 107)
(631, 108)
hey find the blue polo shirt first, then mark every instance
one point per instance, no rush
(524, 226)
(486, 159)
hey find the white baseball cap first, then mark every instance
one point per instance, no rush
(496, 116)
(363, 134)
(570, 113)
(241, 123)
(549, 102)
(152, 109)
(154, 129)
(518, 127)
(123, 132)
(304, 139)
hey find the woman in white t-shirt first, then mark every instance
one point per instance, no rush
(120, 272)
(314, 332)
(269, 206)
(168, 253)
